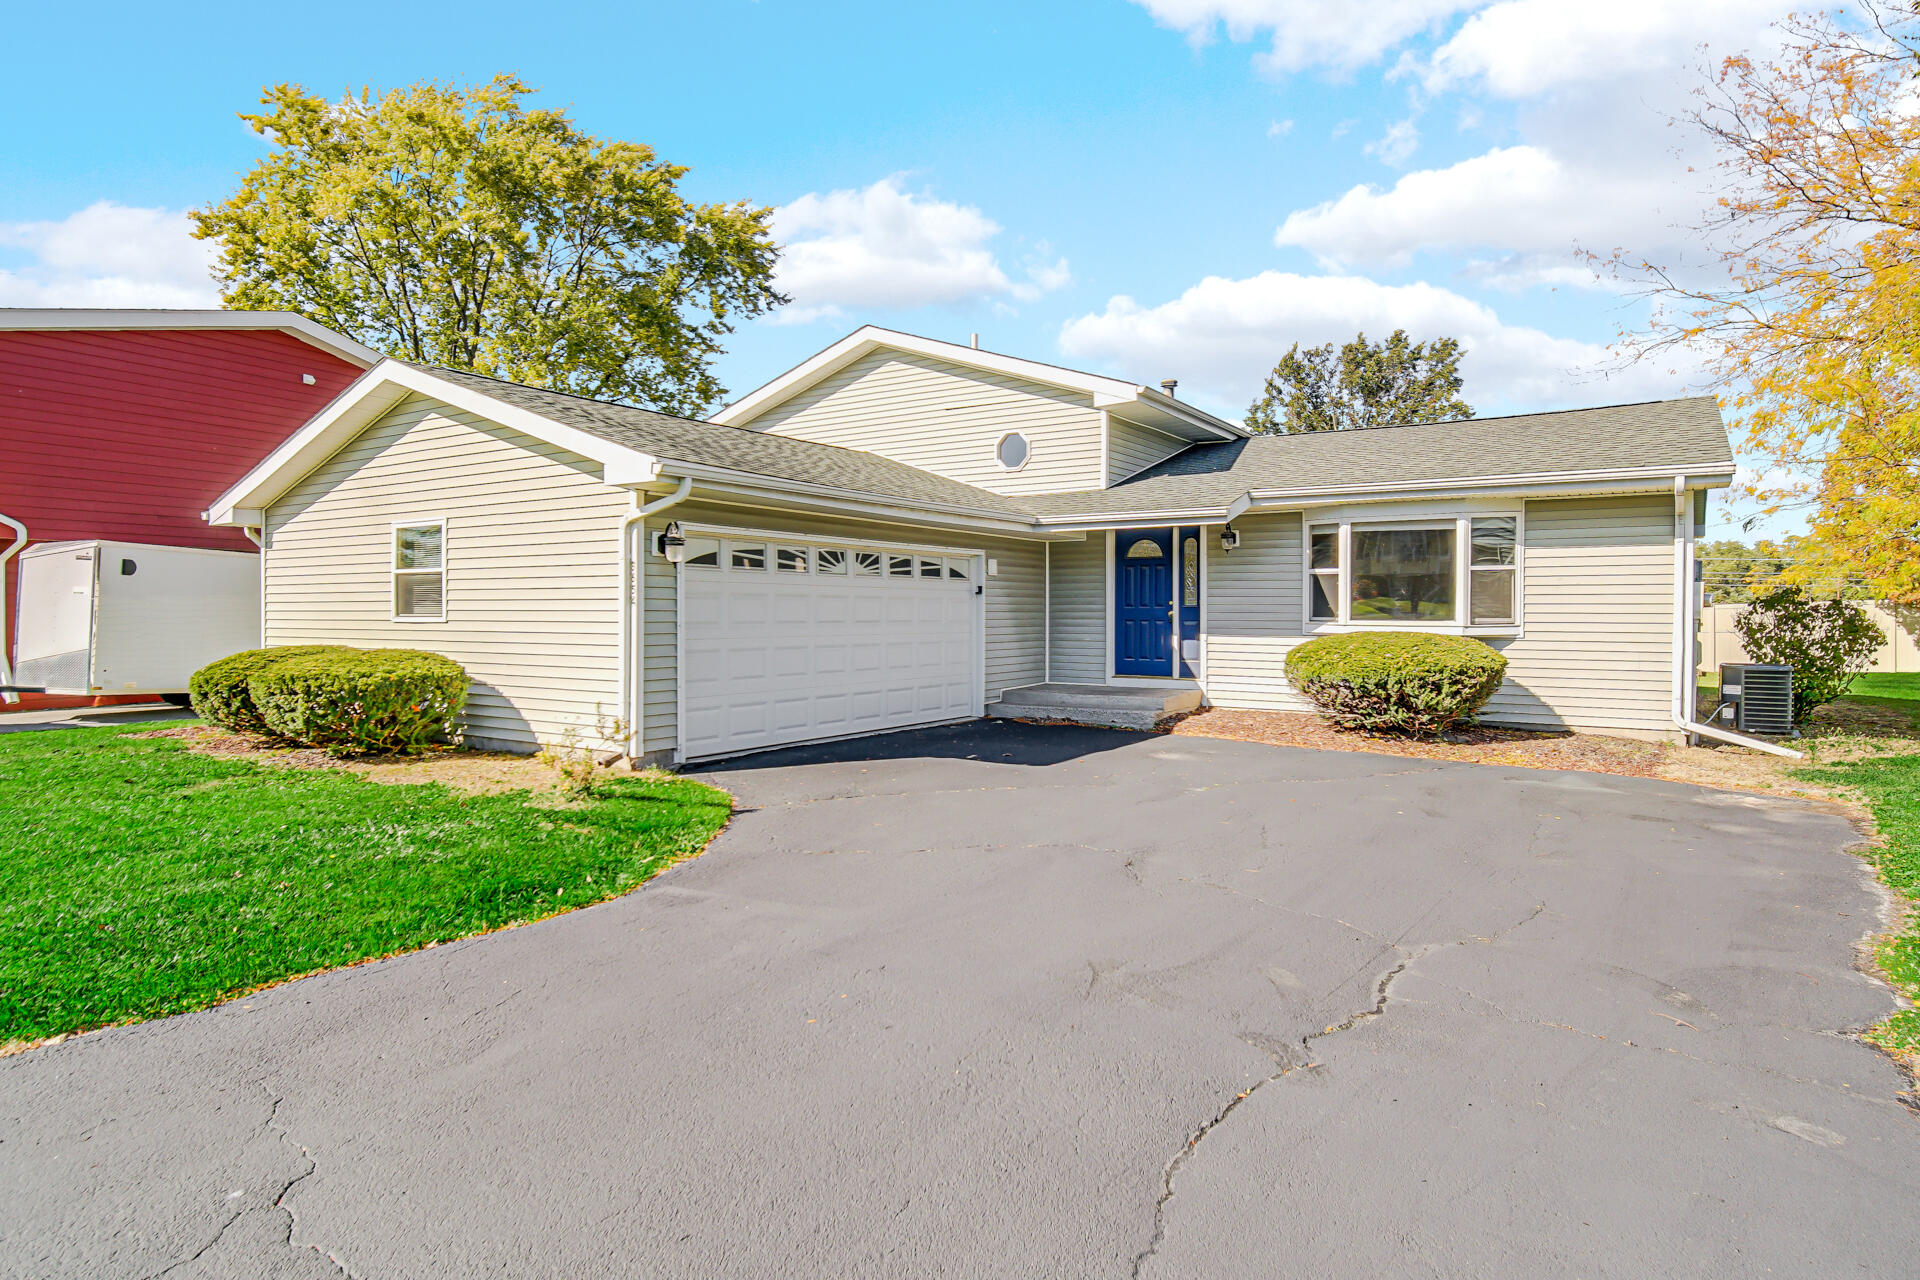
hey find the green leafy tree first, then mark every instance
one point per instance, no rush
(1364, 384)
(1734, 573)
(1826, 642)
(454, 226)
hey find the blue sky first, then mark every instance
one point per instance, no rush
(1155, 188)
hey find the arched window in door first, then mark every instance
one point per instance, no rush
(1145, 549)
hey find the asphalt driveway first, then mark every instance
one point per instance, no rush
(1016, 1001)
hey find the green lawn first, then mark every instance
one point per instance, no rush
(1904, 687)
(144, 880)
(1892, 787)
(1889, 692)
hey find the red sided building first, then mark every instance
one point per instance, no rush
(127, 424)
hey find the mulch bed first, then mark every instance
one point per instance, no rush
(1475, 744)
(479, 772)
(206, 740)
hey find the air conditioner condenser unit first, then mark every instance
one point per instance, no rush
(1761, 696)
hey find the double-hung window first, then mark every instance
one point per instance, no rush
(1445, 573)
(1323, 582)
(1493, 571)
(420, 571)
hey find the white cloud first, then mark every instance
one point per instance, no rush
(1308, 33)
(1279, 128)
(1396, 146)
(1519, 48)
(106, 255)
(1221, 337)
(1514, 48)
(1522, 201)
(885, 247)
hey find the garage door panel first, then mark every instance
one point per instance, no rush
(772, 656)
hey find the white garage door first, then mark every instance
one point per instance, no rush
(793, 641)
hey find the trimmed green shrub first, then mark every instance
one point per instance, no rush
(1407, 682)
(353, 701)
(1826, 642)
(219, 689)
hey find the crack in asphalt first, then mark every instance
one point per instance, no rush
(1180, 1157)
(266, 1127)
(1381, 993)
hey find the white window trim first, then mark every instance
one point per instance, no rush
(1461, 522)
(1025, 439)
(394, 570)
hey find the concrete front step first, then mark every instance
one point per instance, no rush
(1108, 706)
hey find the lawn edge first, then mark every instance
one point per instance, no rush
(13, 1048)
(1899, 914)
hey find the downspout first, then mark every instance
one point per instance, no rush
(633, 615)
(1684, 679)
(6, 635)
(257, 535)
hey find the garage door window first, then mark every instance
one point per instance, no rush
(743, 556)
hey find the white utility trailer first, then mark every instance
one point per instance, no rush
(128, 617)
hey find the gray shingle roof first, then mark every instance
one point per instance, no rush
(737, 448)
(1681, 434)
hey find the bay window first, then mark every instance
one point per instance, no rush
(1451, 573)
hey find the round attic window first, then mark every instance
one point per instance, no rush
(1013, 451)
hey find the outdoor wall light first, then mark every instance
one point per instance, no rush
(673, 543)
(1229, 537)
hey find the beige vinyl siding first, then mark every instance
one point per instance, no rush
(532, 566)
(949, 419)
(1253, 613)
(1079, 610)
(1597, 648)
(1598, 598)
(1132, 449)
(1014, 600)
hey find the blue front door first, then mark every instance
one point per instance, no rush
(1143, 576)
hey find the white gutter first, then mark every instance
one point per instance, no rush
(1545, 484)
(1685, 681)
(633, 615)
(6, 645)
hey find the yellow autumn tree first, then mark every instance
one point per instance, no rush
(1811, 314)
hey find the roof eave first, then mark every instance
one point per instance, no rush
(1544, 484)
(1106, 392)
(373, 394)
(775, 493)
(108, 319)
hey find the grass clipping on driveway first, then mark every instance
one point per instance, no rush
(143, 879)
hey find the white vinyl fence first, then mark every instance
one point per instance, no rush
(1719, 642)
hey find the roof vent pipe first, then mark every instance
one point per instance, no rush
(974, 341)
(1168, 384)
